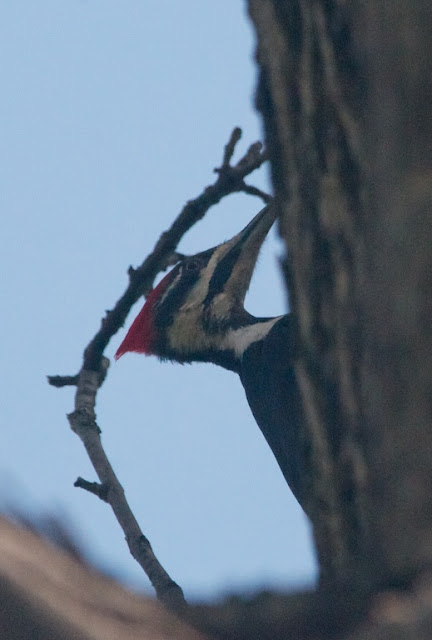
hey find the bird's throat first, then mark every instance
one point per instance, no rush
(240, 339)
(225, 348)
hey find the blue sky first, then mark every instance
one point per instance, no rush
(113, 114)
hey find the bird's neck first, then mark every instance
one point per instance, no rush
(236, 342)
(240, 339)
(224, 347)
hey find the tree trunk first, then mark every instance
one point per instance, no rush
(345, 92)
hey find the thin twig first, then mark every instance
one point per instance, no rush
(83, 423)
(97, 489)
(230, 147)
(95, 366)
(63, 381)
(254, 191)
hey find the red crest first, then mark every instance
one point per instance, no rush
(141, 335)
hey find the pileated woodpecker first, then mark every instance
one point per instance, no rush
(196, 314)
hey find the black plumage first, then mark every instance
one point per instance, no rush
(268, 377)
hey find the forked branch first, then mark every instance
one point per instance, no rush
(230, 179)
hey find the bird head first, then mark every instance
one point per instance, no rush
(195, 311)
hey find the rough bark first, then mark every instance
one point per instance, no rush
(394, 42)
(345, 92)
(310, 96)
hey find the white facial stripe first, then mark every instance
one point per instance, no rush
(240, 339)
(200, 289)
(236, 340)
(170, 287)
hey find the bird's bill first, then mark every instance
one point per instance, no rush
(243, 252)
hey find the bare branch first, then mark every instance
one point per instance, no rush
(83, 423)
(230, 146)
(254, 191)
(99, 490)
(95, 366)
(63, 381)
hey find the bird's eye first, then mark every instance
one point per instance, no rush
(193, 265)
